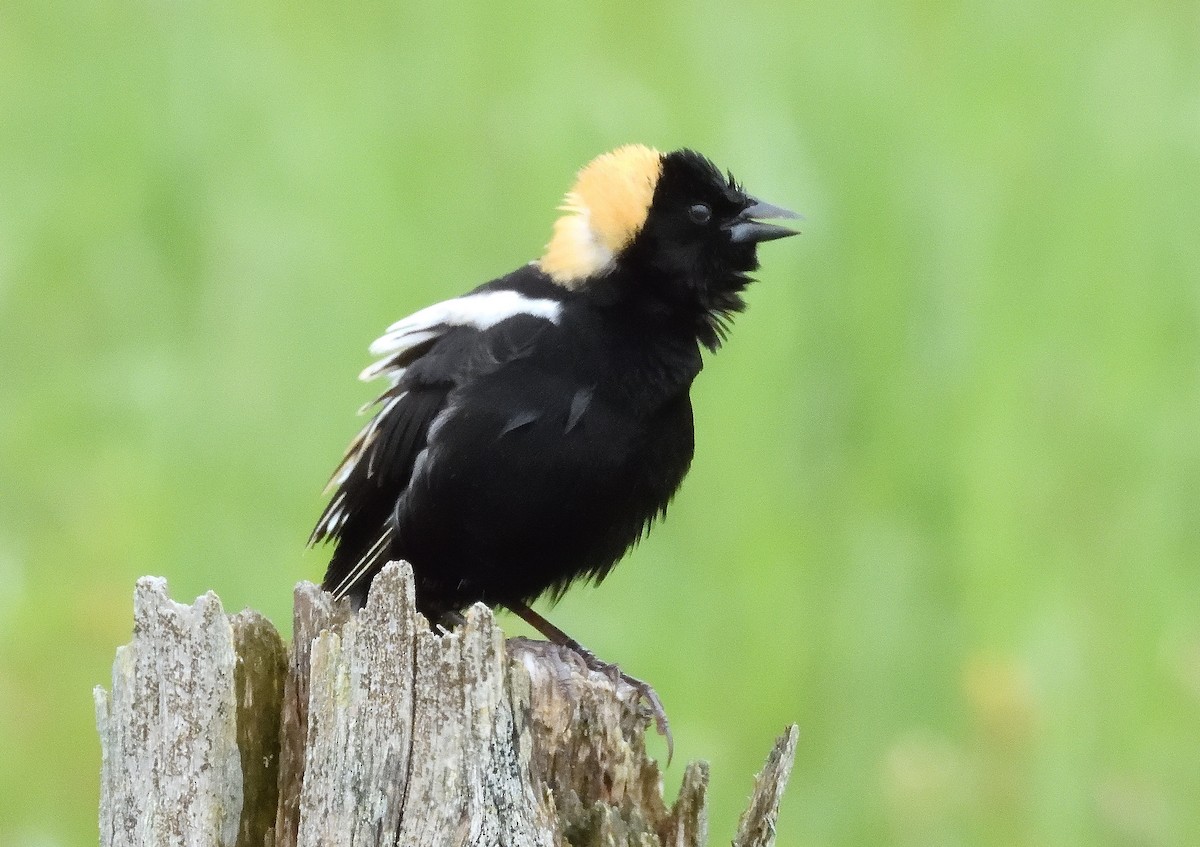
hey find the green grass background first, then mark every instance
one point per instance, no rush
(944, 509)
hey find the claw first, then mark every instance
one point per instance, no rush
(645, 692)
(612, 671)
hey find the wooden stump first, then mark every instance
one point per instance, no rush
(374, 730)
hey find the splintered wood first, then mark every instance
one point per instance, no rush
(375, 730)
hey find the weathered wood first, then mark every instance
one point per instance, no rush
(757, 825)
(377, 730)
(314, 611)
(171, 772)
(258, 680)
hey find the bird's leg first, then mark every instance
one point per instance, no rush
(644, 689)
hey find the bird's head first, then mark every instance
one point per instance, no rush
(666, 227)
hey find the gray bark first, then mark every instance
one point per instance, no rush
(374, 730)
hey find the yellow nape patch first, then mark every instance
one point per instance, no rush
(604, 211)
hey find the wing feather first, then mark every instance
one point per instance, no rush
(423, 356)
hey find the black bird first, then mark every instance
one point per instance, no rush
(538, 425)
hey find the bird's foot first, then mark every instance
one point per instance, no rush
(644, 690)
(448, 622)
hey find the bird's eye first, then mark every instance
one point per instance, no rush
(700, 213)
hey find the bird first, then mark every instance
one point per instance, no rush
(535, 428)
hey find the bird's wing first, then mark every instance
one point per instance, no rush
(424, 356)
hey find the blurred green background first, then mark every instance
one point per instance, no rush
(944, 508)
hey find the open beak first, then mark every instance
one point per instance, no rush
(748, 228)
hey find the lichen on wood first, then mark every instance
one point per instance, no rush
(376, 729)
(171, 771)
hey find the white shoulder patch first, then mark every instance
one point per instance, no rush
(480, 311)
